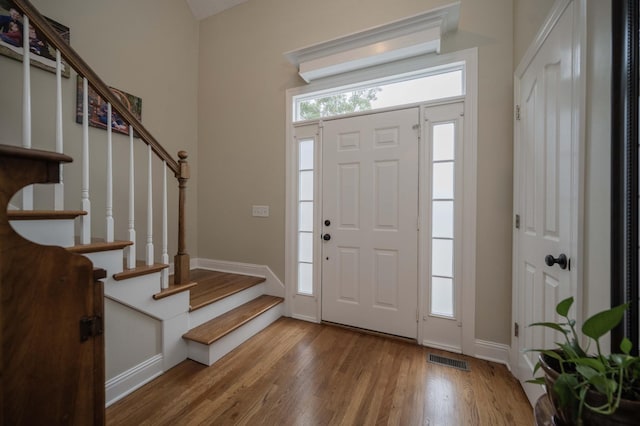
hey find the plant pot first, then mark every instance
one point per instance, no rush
(628, 412)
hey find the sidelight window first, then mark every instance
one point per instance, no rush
(305, 215)
(442, 228)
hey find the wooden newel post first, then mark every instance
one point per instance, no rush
(181, 260)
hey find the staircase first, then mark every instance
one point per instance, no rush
(203, 320)
(152, 320)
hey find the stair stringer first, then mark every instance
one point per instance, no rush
(109, 260)
(137, 293)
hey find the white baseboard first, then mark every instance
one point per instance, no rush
(125, 383)
(273, 285)
(305, 318)
(491, 351)
(430, 344)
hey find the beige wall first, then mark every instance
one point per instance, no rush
(243, 78)
(148, 48)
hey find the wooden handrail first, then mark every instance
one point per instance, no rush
(76, 62)
(180, 169)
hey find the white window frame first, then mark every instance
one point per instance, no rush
(309, 307)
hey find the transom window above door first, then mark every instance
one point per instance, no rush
(425, 86)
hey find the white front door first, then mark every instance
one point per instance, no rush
(545, 162)
(370, 214)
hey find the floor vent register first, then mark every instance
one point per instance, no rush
(448, 362)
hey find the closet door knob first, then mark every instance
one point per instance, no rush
(561, 260)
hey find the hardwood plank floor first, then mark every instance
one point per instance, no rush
(299, 373)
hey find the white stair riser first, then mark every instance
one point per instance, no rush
(209, 312)
(110, 261)
(137, 293)
(46, 232)
(208, 354)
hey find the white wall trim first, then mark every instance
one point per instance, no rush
(437, 345)
(408, 37)
(550, 22)
(273, 285)
(134, 378)
(494, 352)
(306, 318)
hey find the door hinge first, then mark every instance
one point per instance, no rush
(516, 329)
(90, 327)
(518, 112)
(417, 315)
(517, 221)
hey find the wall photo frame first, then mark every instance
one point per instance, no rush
(98, 108)
(12, 30)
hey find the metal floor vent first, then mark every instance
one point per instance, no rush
(448, 362)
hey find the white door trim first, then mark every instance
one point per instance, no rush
(309, 306)
(577, 151)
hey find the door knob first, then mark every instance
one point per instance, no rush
(326, 237)
(561, 260)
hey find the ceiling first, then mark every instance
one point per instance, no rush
(202, 9)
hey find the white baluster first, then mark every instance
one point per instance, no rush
(58, 189)
(150, 209)
(109, 219)
(85, 221)
(164, 279)
(27, 192)
(131, 252)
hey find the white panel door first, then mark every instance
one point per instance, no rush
(544, 162)
(370, 213)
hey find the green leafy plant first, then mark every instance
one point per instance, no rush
(615, 376)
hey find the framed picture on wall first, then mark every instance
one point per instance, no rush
(98, 114)
(12, 31)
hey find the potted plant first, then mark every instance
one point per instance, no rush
(589, 388)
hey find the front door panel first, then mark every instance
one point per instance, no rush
(370, 198)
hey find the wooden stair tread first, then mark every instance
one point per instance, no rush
(34, 154)
(214, 285)
(98, 245)
(174, 289)
(219, 327)
(44, 214)
(141, 269)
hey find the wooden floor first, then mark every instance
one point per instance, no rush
(299, 373)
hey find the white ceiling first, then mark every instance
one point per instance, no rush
(202, 9)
